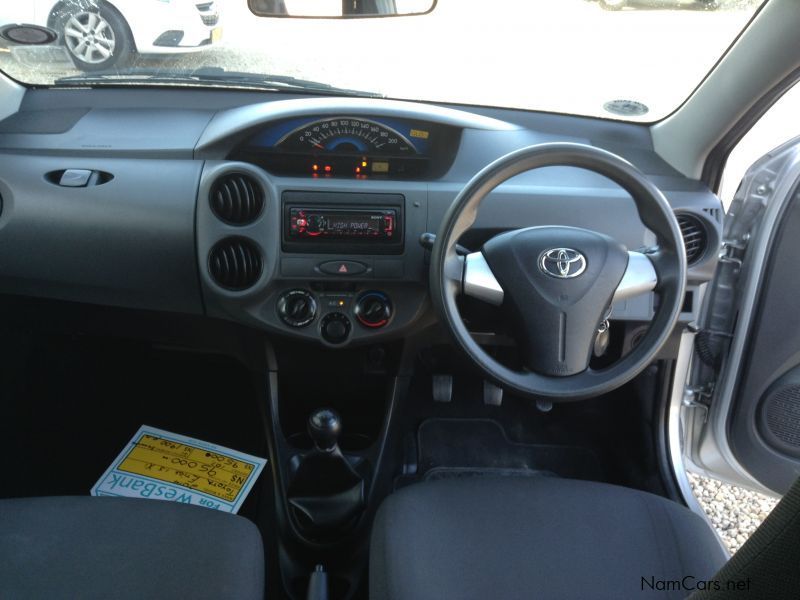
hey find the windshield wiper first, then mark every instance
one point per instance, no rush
(208, 76)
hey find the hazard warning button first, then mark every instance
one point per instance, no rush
(343, 267)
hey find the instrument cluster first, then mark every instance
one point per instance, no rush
(352, 147)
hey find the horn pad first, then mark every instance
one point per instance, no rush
(558, 283)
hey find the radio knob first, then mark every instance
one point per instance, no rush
(373, 309)
(297, 308)
(335, 328)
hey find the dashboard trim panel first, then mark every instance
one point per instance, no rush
(142, 240)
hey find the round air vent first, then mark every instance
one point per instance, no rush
(695, 237)
(235, 263)
(237, 199)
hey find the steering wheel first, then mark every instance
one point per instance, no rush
(556, 284)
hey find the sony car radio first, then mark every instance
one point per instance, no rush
(342, 223)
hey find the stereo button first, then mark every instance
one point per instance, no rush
(343, 267)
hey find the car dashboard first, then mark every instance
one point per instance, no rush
(295, 215)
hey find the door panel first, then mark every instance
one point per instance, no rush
(764, 424)
(741, 409)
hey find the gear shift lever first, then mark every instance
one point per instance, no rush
(325, 491)
(324, 427)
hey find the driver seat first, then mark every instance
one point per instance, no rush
(535, 537)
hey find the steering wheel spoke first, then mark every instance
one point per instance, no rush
(479, 280)
(640, 277)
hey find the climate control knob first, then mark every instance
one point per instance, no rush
(335, 328)
(297, 308)
(373, 309)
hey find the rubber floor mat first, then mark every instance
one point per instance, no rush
(475, 447)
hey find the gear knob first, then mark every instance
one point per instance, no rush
(324, 427)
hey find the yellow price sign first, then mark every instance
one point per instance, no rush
(209, 472)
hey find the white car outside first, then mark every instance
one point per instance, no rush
(100, 34)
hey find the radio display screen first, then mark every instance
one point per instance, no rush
(342, 223)
(378, 225)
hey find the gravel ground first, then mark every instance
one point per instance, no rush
(735, 512)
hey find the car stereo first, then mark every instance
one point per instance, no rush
(343, 223)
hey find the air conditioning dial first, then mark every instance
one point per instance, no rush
(297, 308)
(335, 328)
(373, 309)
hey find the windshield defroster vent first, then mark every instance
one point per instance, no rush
(695, 238)
(235, 263)
(237, 199)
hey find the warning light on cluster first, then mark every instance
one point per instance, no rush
(316, 169)
(359, 167)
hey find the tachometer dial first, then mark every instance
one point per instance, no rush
(346, 135)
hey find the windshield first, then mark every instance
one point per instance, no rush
(623, 59)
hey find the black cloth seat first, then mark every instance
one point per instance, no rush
(82, 547)
(536, 537)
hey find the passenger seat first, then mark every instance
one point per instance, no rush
(84, 547)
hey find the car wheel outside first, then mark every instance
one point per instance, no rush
(97, 38)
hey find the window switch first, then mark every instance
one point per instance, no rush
(75, 178)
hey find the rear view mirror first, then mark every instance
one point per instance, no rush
(340, 9)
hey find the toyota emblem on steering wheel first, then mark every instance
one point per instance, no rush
(563, 263)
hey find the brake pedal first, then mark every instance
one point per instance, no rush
(492, 394)
(442, 388)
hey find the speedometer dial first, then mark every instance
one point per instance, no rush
(351, 146)
(346, 135)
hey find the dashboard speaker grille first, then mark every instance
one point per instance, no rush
(235, 263)
(695, 238)
(237, 199)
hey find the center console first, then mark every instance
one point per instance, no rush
(324, 224)
(333, 266)
(340, 267)
(331, 454)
